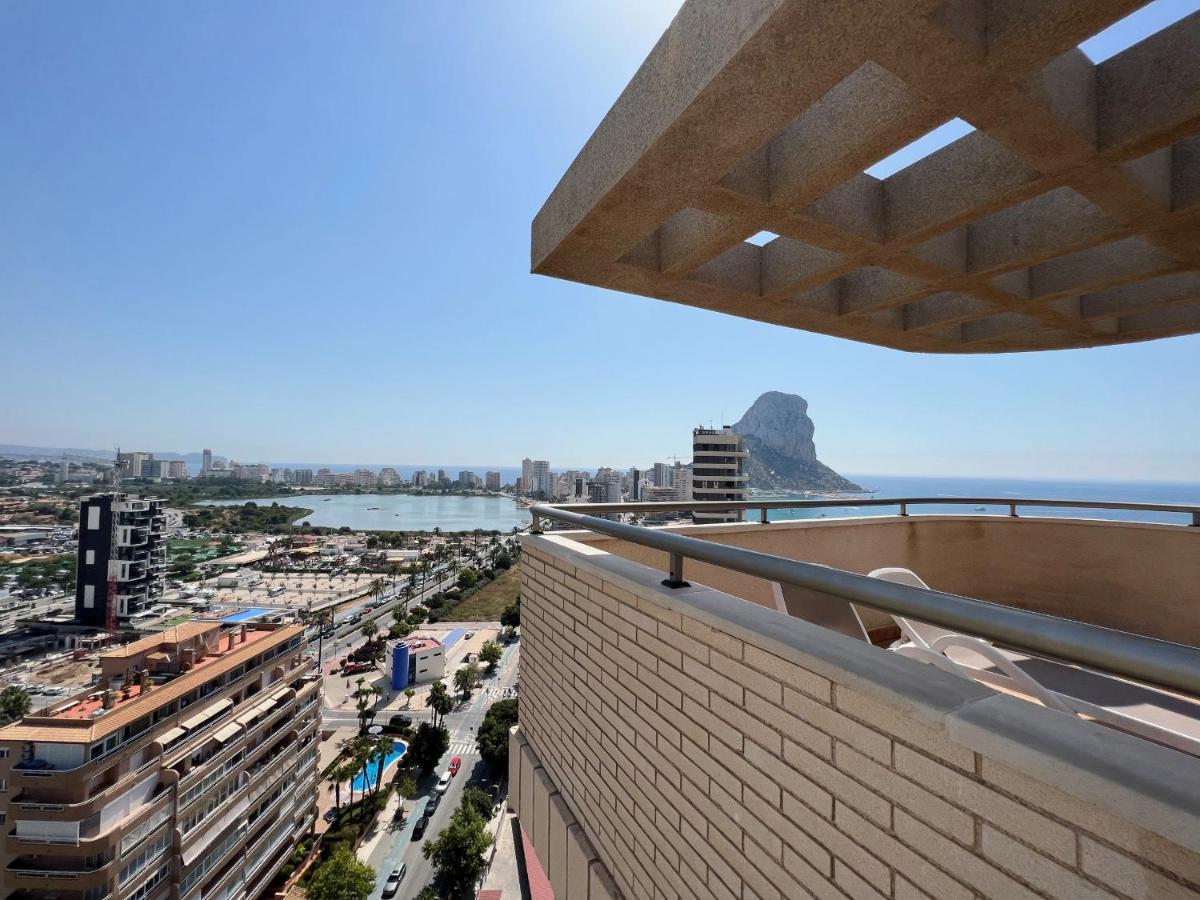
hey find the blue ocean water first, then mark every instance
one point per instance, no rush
(1016, 488)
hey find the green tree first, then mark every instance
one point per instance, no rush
(468, 577)
(492, 737)
(14, 704)
(409, 693)
(457, 853)
(439, 700)
(341, 877)
(370, 628)
(511, 617)
(478, 800)
(490, 653)
(364, 701)
(464, 680)
(429, 744)
(383, 746)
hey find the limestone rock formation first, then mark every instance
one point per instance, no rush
(778, 433)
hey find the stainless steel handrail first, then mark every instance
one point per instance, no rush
(763, 506)
(1163, 663)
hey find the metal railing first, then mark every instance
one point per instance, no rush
(763, 507)
(1141, 658)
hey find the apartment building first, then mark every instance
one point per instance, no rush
(718, 472)
(121, 537)
(491, 480)
(190, 772)
(388, 477)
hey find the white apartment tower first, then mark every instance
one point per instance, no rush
(718, 471)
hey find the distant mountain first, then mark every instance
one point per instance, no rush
(195, 459)
(48, 452)
(778, 433)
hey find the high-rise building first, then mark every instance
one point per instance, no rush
(718, 471)
(121, 538)
(420, 478)
(164, 469)
(663, 474)
(492, 481)
(302, 476)
(466, 479)
(364, 478)
(536, 477)
(388, 477)
(130, 464)
(206, 461)
(190, 770)
(682, 481)
(635, 484)
(441, 474)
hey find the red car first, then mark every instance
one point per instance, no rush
(455, 765)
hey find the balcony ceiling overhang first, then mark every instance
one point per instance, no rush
(1069, 218)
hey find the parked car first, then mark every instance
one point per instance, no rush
(330, 814)
(401, 721)
(455, 765)
(419, 828)
(392, 885)
(432, 803)
(444, 781)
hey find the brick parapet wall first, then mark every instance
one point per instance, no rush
(687, 743)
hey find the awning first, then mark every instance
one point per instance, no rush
(171, 735)
(200, 718)
(229, 732)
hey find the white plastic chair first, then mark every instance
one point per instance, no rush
(1136, 708)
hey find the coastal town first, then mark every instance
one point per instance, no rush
(410, 485)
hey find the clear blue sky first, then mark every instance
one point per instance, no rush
(297, 230)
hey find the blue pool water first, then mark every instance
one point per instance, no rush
(362, 782)
(245, 614)
(453, 636)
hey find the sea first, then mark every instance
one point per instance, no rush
(882, 486)
(455, 512)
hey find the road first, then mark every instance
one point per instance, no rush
(463, 724)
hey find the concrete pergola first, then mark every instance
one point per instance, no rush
(1069, 218)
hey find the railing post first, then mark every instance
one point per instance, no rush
(535, 527)
(674, 578)
(1196, 520)
(1012, 510)
(762, 516)
(904, 509)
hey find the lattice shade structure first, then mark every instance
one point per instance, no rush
(1070, 216)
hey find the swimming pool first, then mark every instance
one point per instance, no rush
(362, 782)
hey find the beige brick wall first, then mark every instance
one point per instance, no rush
(686, 743)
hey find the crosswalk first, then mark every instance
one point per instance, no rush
(462, 748)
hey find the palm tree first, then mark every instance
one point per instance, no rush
(409, 693)
(464, 680)
(384, 745)
(370, 628)
(439, 700)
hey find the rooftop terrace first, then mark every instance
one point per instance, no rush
(739, 709)
(75, 719)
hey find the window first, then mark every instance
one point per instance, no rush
(89, 596)
(89, 558)
(143, 858)
(3, 753)
(3, 785)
